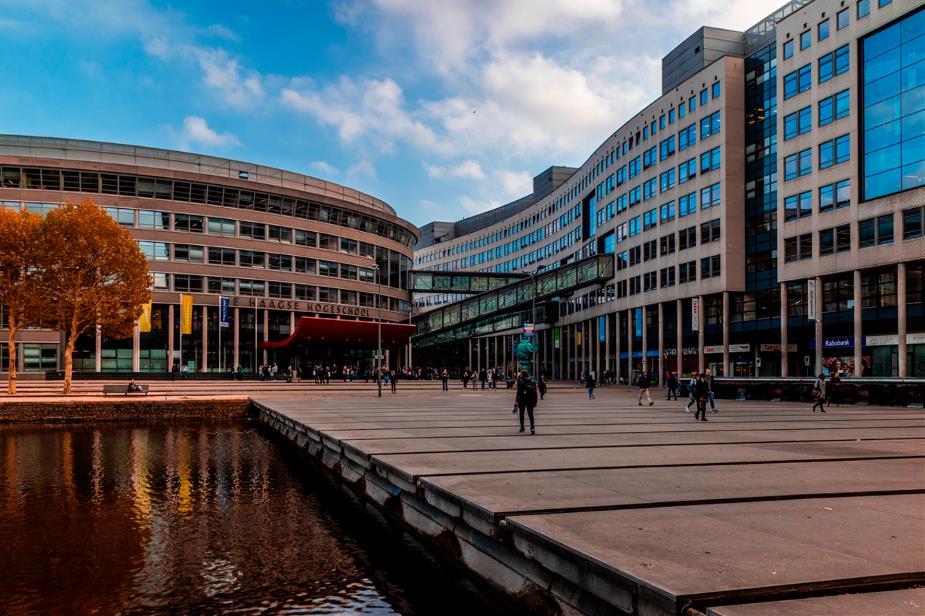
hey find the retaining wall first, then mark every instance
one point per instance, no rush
(120, 410)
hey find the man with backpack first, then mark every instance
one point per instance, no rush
(525, 399)
(690, 391)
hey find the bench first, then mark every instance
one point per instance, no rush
(123, 389)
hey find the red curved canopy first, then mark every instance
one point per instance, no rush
(321, 330)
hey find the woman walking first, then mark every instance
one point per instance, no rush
(819, 393)
(445, 378)
(672, 384)
(590, 383)
(644, 388)
(525, 399)
(542, 387)
(701, 393)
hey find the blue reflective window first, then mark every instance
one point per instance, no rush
(893, 117)
(798, 123)
(834, 107)
(715, 90)
(806, 39)
(704, 97)
(822, 30)
(863, 8)
(788, 49)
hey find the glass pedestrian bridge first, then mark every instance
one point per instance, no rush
(510, 306)
(465, 283)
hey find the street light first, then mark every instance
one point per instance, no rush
(375, 267)
(536, 370)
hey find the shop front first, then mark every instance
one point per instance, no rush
(741, 360)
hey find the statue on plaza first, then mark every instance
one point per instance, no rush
(523, 352)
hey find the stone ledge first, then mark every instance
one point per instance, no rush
(63, 411)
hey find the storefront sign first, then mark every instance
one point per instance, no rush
(915, 338)
(775, 348)
(695, 314)
(843, 342)
(740, 348)
(556, 336)
(690, 350)
(529, 329)
(716, 348)
(671, 352)
(886, 340)
(602, 329)
(301, 306)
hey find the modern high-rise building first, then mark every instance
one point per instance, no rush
(279, 246)
(765, 215)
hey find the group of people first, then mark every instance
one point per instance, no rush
(826, 391)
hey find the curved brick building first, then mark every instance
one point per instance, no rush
(279, 245)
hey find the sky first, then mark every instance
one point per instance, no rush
(442, 108)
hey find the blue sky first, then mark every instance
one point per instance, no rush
(443, 108)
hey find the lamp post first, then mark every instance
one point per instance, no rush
(378, 329)
(536, 370)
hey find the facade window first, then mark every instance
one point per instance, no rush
(806, 39)
(150, 219)
(186, 283)
(304, 265)
(863, 8)
(666, 277)
(822, 30)
(687, 204)
(154, 251)
(687, 272)
(159, 281)
(279, 234)
(912, 223)
(188, 223)
(798, 248)
(787, 49)
(328, 268)
(704, 97)
(224, 286)
(254, 288)
(687, 238)
(842, 19)
(710, 231)
(222, 256)
(833, 64)
(798, 81)
(666, 180)
(279, 262)
(798, 165)
(838, 294)
(666, 245)
(687, 137)
(279, 290)
(715, 90)
(649, 157)
(834, 152)
(833, 196)
(687, 170)
(253, 230)
(892, 119)
(666, 148)
(834, 240)
(251, 258)
(798, 123)
(649, 189)
(875, 231)
(124, 216)
(878, 289)
(710, 196)
(710, 161)
(798, 206)
(692, 104)
(826, 242)
(710, 125)
(834, 107)
(710, 267)
(666, 211)
(222, 226)
(188, 253)
(306, 238)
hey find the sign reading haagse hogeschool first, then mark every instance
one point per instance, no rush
(299, 305)
(224, 319)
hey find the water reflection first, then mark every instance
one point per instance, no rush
(183, 518)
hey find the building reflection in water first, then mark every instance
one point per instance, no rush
(185, 517)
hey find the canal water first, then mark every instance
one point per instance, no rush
(198, 518)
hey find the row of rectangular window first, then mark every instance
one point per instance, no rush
(875, 231)
(831, 108)
(830, 65)
(665, 277)
(831, 196)
(832, 152)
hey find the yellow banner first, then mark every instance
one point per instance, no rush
(144, 319)
(578, 338)
(186, 314)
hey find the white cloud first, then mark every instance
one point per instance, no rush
(323, 167)
(363, 169)
(224, 32)
(468, 169)
(476, 206)
(196, 131)
(427, 204)
(515, 183)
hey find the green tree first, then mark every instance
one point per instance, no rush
(20, 297)
(94, 275)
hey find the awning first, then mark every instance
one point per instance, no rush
(320, 330)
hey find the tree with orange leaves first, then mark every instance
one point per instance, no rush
(22, 301)
(93, 275)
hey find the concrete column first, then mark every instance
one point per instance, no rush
(478, 353)
(726, 370)
(607, 343)
(504, 354)
(858, 330)
(901, 325)
(701, 324)
(561, 353)
(679, 339)
(661, 345)
(469, 366)
(170, 326)
(784, 331)
(136, 348)
(630, 318)
(817, 368)
(237, 339)
(99, 349)
(204, 367)
(266, 332)
(645, 339)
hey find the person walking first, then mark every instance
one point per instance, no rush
(543, 386)
(833, 388)
(590, 383)
(701, 393)
(672, 384)
(819, 393)
(465, 378)
(394, 380)
(483, 377)
(525, 399)
(445, 379)
(708, 377)
(691, 385)
(644, 388)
